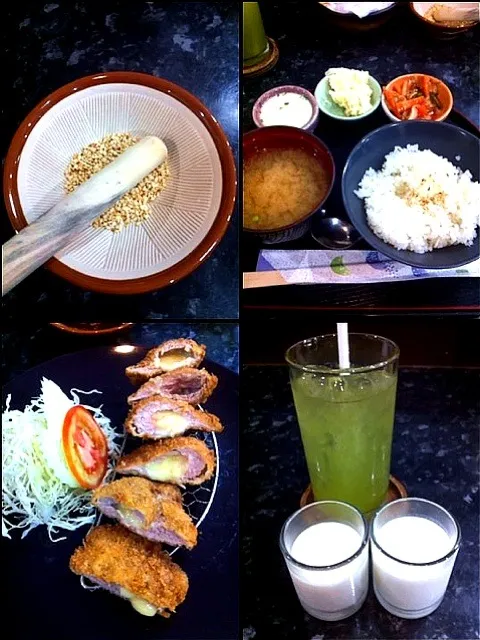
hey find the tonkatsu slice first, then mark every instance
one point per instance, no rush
(191, 385)
(151, 509)
(170, 355)
(132, 568)
(158, 417)
(182, 460)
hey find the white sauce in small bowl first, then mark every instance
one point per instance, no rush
(289, 109)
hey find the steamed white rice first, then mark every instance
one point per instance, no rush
(420, 201)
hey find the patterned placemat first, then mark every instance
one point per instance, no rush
(344, 267)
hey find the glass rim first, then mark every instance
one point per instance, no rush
(302, 565)
(445, 557)
(312, 368)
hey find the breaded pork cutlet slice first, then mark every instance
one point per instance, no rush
(170, 355)
(181, 461)
(157, 417)
(132, 568)
(188, 384)
(153, 510)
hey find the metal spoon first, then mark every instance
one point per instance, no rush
(333, 233)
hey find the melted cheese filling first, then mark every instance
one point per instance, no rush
(130, 517)
(173, 359)
(139, 604)
(170, 468)
(170, 422)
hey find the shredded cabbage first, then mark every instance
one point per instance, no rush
(32, 492)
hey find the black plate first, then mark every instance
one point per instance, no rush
(443, 139)
(44, 599)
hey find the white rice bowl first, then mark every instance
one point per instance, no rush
(419, 201)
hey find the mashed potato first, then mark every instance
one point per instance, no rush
(350, 89)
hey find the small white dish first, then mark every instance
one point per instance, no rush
(309, 125)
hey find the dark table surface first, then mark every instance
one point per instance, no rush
(308, 47)
(25, 347)
(45, 45)
(435, 453)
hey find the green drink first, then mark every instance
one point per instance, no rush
(255, 43)
(346, 416)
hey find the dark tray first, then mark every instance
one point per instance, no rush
(462, 295)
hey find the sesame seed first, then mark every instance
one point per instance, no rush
(133, 207)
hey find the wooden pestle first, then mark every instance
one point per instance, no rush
(51, 232)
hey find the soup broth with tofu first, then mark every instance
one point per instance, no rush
(281, 186)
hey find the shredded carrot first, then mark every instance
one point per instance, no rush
(422, 111)
(391, 99)
(390, 95)
(408, 104)
(426, 83)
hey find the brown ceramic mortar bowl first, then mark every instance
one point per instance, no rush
(178, 270)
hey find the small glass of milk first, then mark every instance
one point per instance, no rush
(414, 545)
(325, 548)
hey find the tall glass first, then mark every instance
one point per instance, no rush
(346, 416)
(255, 43)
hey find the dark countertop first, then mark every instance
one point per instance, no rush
(193, 44)
(308, 47)
(26, 347)
(435, 453)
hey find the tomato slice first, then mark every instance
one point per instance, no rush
(85, 447)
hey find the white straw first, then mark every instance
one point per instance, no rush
(343, 346)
